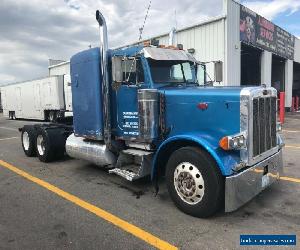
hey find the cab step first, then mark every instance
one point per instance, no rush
(133, 164)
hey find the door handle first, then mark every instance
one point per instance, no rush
(76, 81)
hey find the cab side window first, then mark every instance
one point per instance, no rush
(201, 69)
(133, 71)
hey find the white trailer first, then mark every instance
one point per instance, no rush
(0, 102)
(42, 99)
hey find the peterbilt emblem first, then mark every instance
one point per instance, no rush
(202, 105)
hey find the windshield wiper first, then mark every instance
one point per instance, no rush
(183, 84)
(184, 79)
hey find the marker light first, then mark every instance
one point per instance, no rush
(224, 143)
(147, 43)
(180, 46)
(233, 142)
(171, 47)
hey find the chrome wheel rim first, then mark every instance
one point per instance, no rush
(25, 139)
(189, 183)
(40, 145)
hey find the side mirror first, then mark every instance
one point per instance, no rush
(218, 71)
(117, 73)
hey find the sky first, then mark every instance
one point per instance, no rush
(33, 31)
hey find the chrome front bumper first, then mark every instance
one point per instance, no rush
(242, 187)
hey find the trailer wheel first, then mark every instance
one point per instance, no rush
(28, 138)
(194, 182)
(52, 116)
(11, 115)
(50, 144)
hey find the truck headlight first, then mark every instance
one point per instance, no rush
(233, 142)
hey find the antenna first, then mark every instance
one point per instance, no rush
(145, 19)
(175, 15)
(141, 29)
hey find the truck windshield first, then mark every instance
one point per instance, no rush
(172, 71)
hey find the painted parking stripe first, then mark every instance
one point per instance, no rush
(291, 131)
(10, 138)
(292, 146)
(285, 178)
(126, 226)
(13, 129)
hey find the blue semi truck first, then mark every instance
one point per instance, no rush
(146, 110)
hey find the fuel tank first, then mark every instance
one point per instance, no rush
(92, 151)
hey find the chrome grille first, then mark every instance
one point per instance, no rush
(264, 124)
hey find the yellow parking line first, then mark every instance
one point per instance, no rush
(292, 146)
(285, 178)
(290, 179)
(10, 138)
(291, 131)
(126, 226)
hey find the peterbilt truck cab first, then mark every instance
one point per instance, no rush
(147, 111)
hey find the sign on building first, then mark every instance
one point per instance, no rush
(260, 32)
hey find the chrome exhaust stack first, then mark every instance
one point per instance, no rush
(172, 35)
(104, 73)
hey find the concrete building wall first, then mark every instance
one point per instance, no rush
(0, 102)
(288, 82)
(232, 71)
(266, 68)
(207, 39)
(297, 50)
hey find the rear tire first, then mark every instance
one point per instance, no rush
(28, 138)
(194, 182)
(50, 144)
(44, 150)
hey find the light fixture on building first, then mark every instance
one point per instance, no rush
(191, 50)
(180, 46)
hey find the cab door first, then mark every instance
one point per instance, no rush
(127, 116)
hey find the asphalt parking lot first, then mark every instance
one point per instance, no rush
(75, 205)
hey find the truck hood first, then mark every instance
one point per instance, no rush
(201, 94)
(184, 116)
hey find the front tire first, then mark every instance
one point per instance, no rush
(43, 148)
(194, 182)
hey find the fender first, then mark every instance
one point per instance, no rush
(224, 159)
